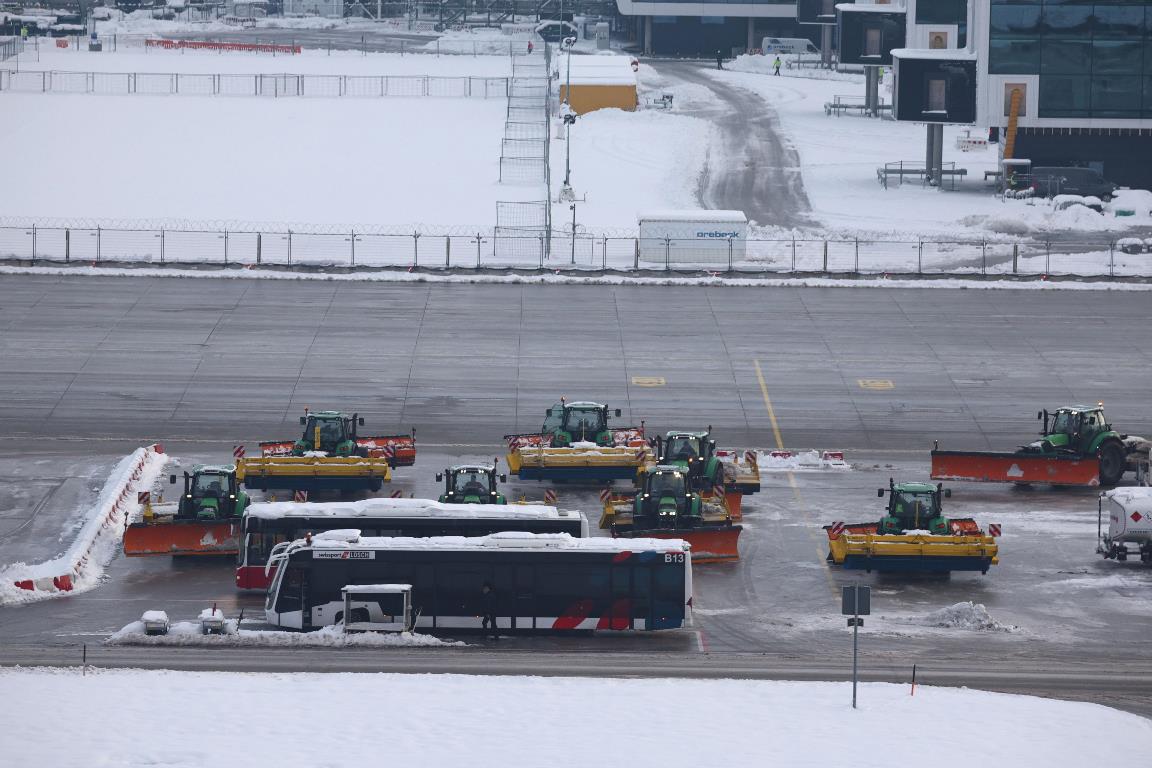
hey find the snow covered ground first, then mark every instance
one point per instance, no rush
(839, 157)
(431, 720)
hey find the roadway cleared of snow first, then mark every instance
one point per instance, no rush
(352, 720)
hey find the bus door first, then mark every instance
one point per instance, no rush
(621, 605)
(522, 606)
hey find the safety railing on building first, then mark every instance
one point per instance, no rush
(267, 85)
(492, 249)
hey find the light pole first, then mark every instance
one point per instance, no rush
(569, 118)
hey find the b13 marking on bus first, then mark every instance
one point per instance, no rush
(343, 554)
(673, 557)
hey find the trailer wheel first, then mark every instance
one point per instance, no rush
(1112, 463)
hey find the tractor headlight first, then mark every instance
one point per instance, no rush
(188, 496)
(232, 496)
(645, 496)
(492, 493)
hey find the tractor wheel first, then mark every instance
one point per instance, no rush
(1112, 463)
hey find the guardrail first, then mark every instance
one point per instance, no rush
(273, 85)
(487, 249)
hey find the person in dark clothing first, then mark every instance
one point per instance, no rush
(719, 60)
(488, 595)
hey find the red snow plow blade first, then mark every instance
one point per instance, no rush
(400, 450)
(991, 467)
(192, 537)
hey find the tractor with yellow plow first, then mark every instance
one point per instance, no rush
(330, 456)
(913, 536)
(713, 471)
(576, 444)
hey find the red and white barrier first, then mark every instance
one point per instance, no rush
(211, 45)
(81, 567)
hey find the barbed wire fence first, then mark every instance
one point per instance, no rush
(263, 85)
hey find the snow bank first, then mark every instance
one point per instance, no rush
(433, 720)
(190, 633)
(968, 615)
(592, 278)
(789, 461)
(82, 566)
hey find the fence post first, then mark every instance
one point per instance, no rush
(289, 247)
(259, 247)
(729, 254)
(225, 247)
(1047, 256)
(67, 245)
(1015, 257)
(856, 262)
(1111, 258)
(177, 82)
(793, 253)
(636, 254)
(353, 241)
(97, 244)
(33, 243)
(604, 255)
(478, 239)
(984, 257)
(825, 257)
(415, 249)
(447, 251)
(161, 246)
(541, 251)
(667, 253)
(919, 256)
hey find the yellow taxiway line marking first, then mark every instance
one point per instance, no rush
(792, 481)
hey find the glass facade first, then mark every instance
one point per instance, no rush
(1093, 59)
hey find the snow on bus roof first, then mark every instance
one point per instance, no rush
(507, 540)
(371, 508)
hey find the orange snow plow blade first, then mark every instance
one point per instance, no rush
(194, 537)
(709, 545)
(990, 467)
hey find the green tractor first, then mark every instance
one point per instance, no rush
(693, 451)
(1082, 431)
(471, 484)
(331, 432)
(666, 500)
(914, 507)
(210, 493)
(569, 423)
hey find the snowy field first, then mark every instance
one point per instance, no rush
(441, 720)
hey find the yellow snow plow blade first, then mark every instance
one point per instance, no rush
(913, 552)
(581, 464)
(313, 473)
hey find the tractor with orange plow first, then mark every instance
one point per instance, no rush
(205, 521)
(1077, 447)
(713, 471)
(667, 506)
(913, 536)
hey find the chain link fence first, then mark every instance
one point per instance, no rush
(274, 86)
(528, 246)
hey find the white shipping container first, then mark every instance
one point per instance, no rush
(692, 237)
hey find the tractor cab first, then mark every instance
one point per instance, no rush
(914, 507)
(332, 432)
(666, 499)
(1073, 428)
(694, 451)
(578, 423)
(471, 484)
(210, 493)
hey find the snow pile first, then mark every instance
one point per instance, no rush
(82, 566)
(788, 461)
(762, 65)
(967, 615)
(1136, 201)
(191, 633)
(435, 720)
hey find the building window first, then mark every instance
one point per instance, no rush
(941, 12)
(1067, 21)
(1116, 57)
(872, 41)
(1117, 96)
(1066, 57)
(1119, 22)
(1065, 96)
(712, 19)
(1018, 57)
(1014, 20)
(828, 7)
(937, 96)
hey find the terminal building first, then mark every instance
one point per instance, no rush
(673, 28)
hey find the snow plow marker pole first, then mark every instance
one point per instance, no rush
(913, 693)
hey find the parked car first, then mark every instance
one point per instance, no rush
(1055, 180)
